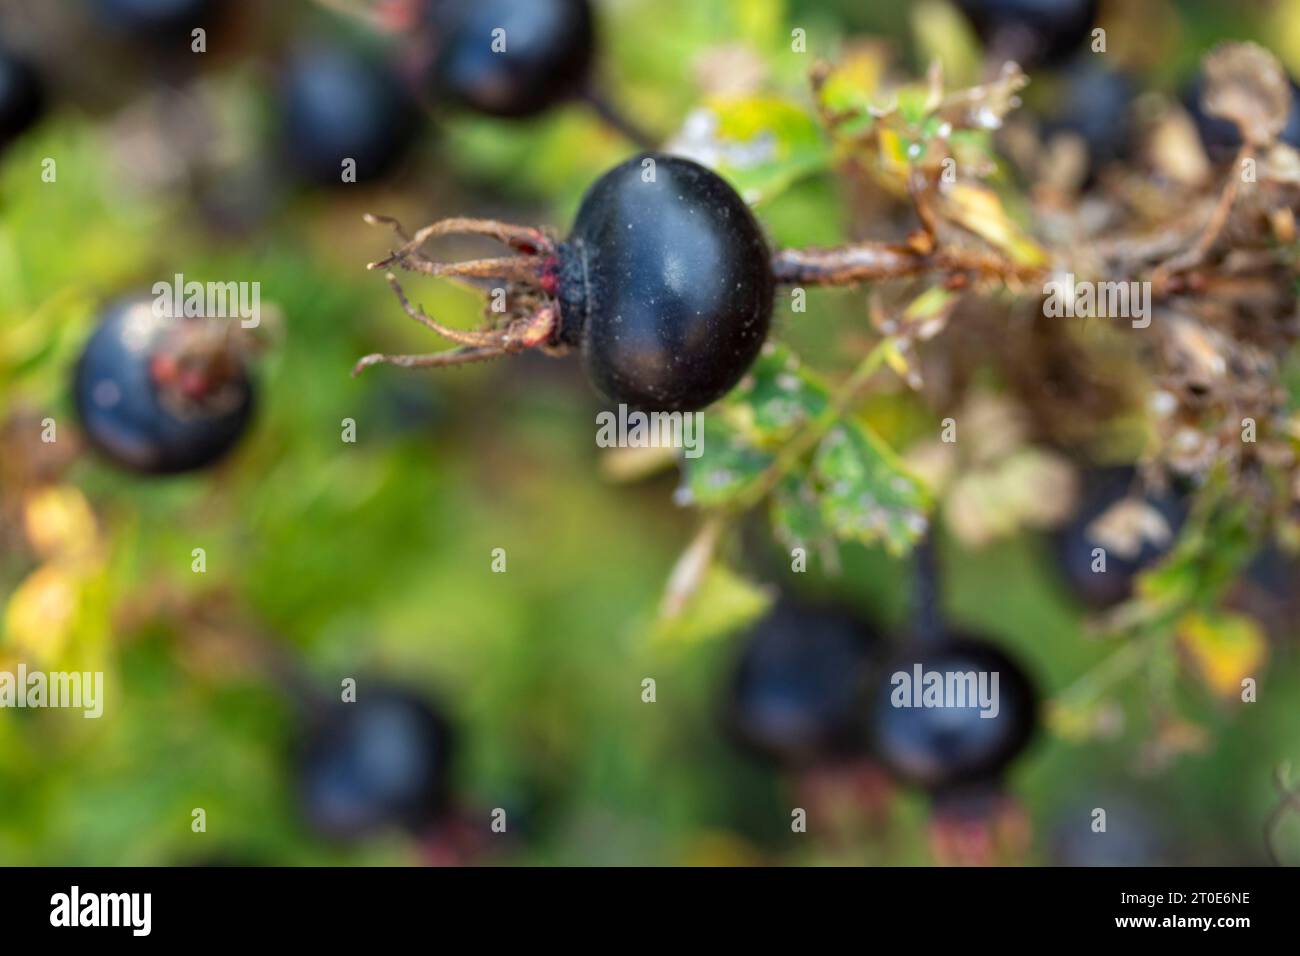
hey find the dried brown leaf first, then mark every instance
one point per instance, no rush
(1245, 84)
(1128, 524)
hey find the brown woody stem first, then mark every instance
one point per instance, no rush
(872, 262)
(619, 121)
(845, 265)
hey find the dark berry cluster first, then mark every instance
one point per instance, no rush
(814, 685)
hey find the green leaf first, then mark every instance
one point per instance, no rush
(856, 488)
(943, 34)
(759, 22)
(851, 88)
(725, 468)
(866, 493)
(723, 603)
(741, 434)
(1209, 553)
(913, 103)
(796, 513)
(775, 399)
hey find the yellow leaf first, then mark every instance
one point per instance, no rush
(1224, 647)
(1283, 31)
(1081, 720)
(980, 210)
(42, 610)
(855, 79)
(1068, 722)
(59, 522)
(897, 360)
(928, 313)
(894, 163)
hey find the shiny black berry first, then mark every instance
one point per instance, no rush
(337, 104)
(1078, 542)
(800, 689)
(157, 19)
(161, 395)
(665, 284)
(379, 762)
(511, 57)
(1034, 32)
(928, 726)
(1219, 136)
(22, 97)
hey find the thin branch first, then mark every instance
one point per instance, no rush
(917, 186)
(1213, 228)
(617, 120)
(526, 239)
(1109, 671)
(688, 572)
(845, 265)
(461, 336)
(374, 219)
(875, 261)
(523, 268)
(460, 356)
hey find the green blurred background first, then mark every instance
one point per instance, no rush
(375, 557)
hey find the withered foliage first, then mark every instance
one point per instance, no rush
(1201, 385)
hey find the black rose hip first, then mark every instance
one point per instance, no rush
(515, 59)
(801, 686)
(511, 58)
(337, 105)
(162, 395)
(665, 286)
(1034, 32)
(381, 761)
(953, 713)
